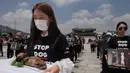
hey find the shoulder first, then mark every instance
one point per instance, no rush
(111, 39)
(62, 38)
(127, 37)
(60, 41)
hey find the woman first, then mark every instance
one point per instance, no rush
(93, 45)
(19, 43)
(121, 41)
(47, 42)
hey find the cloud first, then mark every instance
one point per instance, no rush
(86, 19)
(125, 18)
(23, 4)
(8, 17)
(82, 19)
(103, 6)
(61, 3)
(81, 14)
(104, 9)
(21, 17)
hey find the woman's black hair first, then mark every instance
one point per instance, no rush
(53, 30)
(122, 22)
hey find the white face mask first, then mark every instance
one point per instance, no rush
(41, 24)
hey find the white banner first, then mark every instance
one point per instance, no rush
(6, 67)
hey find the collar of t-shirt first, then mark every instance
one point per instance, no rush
(44, 35)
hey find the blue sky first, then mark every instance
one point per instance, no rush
(69, 13)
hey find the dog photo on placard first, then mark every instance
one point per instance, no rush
(119, 57)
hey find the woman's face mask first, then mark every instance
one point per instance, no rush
(41, 24)
(41, 20)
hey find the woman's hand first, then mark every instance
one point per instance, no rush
(53, 69)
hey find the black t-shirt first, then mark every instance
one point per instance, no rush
(50, 51)
(119, 42)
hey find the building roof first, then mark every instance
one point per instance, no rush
(85, 34)
(84, 29)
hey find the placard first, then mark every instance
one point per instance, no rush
(119, 58)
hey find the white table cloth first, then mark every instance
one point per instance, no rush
(5, 67)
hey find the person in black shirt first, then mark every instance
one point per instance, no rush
(9, 50)
(19, 41)
(47, 42)
(70, 40)
(121, 41)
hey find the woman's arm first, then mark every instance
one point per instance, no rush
(64, 65)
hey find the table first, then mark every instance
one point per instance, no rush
(5, 67)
